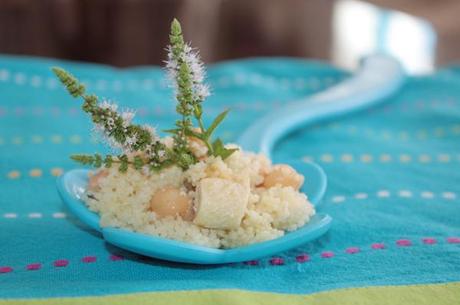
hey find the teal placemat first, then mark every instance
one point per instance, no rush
(394, 181)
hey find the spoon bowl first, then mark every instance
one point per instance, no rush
(72, 186)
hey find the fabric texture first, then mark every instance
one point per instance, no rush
(439, 294)
(393, 183)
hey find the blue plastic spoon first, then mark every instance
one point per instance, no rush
(378, 78)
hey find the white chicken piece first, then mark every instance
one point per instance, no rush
(220, 203)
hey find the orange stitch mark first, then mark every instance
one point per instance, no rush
(35, 173)
(14, 174)
(56, 171)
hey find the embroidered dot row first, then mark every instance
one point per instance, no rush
(53, 139)
(275, 261)
(61, 263)
(403, 135)
(383, 158)
(38, 111)
(73, 139)
(304, 257)
(401, 194)
(34, 215)
(34, 173)
(37, 81)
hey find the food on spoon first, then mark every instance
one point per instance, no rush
(186, 186)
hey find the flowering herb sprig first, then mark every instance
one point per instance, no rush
(117, 130)
(140, 146)
(186, 72)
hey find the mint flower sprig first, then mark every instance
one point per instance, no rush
(140, 146)
(186, 71)
(117, 130)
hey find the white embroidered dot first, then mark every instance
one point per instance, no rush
(405, 194)
(404, 135)
(4, 75)
(37, 139)
(352, 129)
(448, 195)
(307, 159)
(17, 140)
(439, 132)
(10, 215)
(51, 83)
(75, 139)
(424, 158)
(347, 158)
(148, 84)
(386, 135)
(224, 81)
(117, 85)
(404, 158)
(35, 215)
(427, 195)
(59, 215)
(101, 84)
(338, 199)
(19, 78)
(456, 129)
(385, 158)
(443, 158)
(36, 81)
(328, 158)
(383, 194)
(56, 139)
(422, 135)
(368, 132)
(366, 158)
(334, 126)
(361, 196)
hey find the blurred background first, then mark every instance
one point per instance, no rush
(423, 34)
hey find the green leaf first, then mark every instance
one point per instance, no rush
(221, 151)
(123, 163)
(83, 159)
(171, 131)
(192, 133)
(108, 161)
(216, 123)
(97, 160)
(138, 162)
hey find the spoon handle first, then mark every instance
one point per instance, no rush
(378, 77)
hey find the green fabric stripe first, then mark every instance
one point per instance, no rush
(440, 294)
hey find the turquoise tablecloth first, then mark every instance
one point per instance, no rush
(394, 182)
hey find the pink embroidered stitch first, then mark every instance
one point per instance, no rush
(34, 266)
(302, 258)
(116, 257)
(403, 243)
(429, 241)
(378, 246)
(327, 254)
(5, 269)
(453, 240)
(252, 263)
(61, 263)
(277, 261)
(89, 259)
(352, 250)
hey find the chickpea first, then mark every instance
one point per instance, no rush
(283, 175)
(170, 201)
(95, 180)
